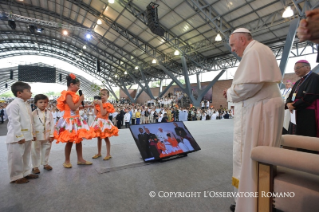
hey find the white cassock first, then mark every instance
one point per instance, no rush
(19, 127)
(213, 117)
(180, 115)
(185, 113)
(285, 93)
(162, 136)
(185, 145)
(40, 149)
(259, 116)
(203, 116)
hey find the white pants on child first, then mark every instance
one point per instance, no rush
(19, 160)
(40, 151)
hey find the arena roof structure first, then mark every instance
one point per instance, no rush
(6, 81)
(118, 36)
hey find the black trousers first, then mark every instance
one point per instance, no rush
(1, 117)
(127, 124)
(119, 124)
(133, 121)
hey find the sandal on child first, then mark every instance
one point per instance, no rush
(67, 165)
(47, 167)
(36, 170)
(96, 156)
(107, 157)
(20, 181)
(85, 163)
(31, 176)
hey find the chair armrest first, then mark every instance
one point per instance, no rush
(300, 161)
(304, 142)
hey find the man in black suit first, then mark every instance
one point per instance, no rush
(143, 144)
(183, 134)
(1, 114)
(152, 141)
(226, 116)
(303, 100)
(179, 130)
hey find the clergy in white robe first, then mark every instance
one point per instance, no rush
(185, 115)
(259, 110)
(162, 136)
(180, 115)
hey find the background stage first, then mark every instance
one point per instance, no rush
(124, 182)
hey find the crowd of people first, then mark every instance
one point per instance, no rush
(164, 109)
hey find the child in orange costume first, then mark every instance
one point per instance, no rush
(71, 128)
(174, 143)
(102, 126)
(162, 147)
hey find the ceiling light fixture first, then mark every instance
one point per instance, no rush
(218, 37)
(88, 36)
(111, 1)
(65, 32)
(125, 72)
(40, 30)
(154, 61)
(84, 47)
(136, 67)
(288, 12)
(176, 52)
(99, 22)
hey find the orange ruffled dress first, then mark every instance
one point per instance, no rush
(101, 125)
(71, 127)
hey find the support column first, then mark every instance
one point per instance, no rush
(148, 90)
(166, 89)
(209, 86)
(137, 91)
(111, 90)
(288, 45)
(138, 94)
(126, 92)
(161, 86)
(187, 82)
(199, 85)
(169, 73)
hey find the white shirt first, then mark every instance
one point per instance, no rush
(185, 145)
(127, 117)
(39, 117)
(161, 135)
(20, 121)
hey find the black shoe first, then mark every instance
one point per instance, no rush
(232, 207)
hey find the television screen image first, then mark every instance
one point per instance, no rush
(162, 140)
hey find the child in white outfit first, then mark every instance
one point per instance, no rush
(42, 134)
(19, 134)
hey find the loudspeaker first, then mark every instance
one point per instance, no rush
(11, 74)
(60, 77)
(98, 67)
(6, 85)
(12, 24)
(152, 17)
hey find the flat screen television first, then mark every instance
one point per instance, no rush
(163, 140)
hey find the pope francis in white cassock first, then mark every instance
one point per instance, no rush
(259, 110)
